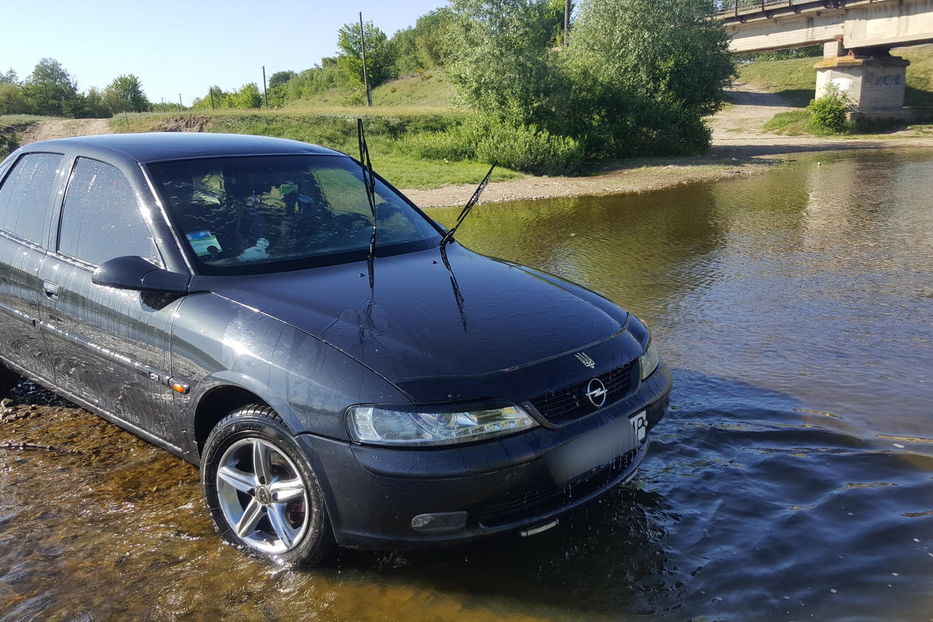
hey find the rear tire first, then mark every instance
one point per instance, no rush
(262, 492)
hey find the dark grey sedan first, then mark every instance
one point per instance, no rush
(221, 297)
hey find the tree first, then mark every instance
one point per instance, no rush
(503, 61)
(50, 89)
(278, 87)
(247, 97)
(9, 77)
(637, 78)
(426, 45)
(556, 10)
(279, 78)
(12, 100)
(94, 105)
(664, 48)
(379, 54)
(125, 94)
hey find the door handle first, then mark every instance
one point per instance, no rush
(50, 289)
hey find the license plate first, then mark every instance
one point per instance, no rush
(594, 449)
(640, 426)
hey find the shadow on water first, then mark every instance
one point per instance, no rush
(792, 479)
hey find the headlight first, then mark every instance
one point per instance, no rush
(649, 360)
(381, 426)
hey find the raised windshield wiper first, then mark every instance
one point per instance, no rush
(469, 206)
(369, 180)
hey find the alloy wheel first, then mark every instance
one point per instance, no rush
(262, 496)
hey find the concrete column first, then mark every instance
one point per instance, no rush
(874, 84)
(832, 49)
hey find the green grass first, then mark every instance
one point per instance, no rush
(794, 79)
(800, 122)
(430, 92)
(430, 89)
(387, 136)
(792, 123)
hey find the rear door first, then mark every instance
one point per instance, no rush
(27, 193)
(110, 347)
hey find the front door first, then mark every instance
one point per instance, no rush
(110, 347)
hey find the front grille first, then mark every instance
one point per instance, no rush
(571, 403)
(514, 507)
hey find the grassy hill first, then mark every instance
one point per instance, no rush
(423, 93)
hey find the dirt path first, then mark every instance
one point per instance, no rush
(64, 128)
(749, 109)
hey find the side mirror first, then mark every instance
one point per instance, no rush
(138, 274)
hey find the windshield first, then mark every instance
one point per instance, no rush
(265, 213)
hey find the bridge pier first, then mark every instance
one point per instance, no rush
(872, 79)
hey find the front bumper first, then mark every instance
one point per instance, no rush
(507, 485)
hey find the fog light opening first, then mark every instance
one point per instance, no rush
(439, 522)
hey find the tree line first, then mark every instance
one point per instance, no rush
(421, 47)
(51, 91)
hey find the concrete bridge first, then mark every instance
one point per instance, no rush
(857, 36)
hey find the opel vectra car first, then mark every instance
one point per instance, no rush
(216, 295)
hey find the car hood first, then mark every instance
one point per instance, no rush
(430, 314)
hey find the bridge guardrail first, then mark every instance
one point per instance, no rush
(738, 7)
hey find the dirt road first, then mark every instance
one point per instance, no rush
(64, 128)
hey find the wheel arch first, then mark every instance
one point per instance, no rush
(215, 404)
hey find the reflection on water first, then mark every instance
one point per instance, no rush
(793, 478)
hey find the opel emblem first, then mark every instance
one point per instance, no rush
(596, 392)
(263, 495)
(584, 358)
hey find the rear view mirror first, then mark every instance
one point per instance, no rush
(136, 273)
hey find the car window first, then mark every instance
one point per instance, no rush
(255, 214)
(26, 195)
(101, 218)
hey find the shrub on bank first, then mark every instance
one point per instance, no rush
(523, 148)
(829, 114)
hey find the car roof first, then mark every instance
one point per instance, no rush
(160, 146)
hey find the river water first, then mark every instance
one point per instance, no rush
(792, 479)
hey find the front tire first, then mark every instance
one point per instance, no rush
(262, 493)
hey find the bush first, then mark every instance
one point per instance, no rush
(636, 79)
(530, 150)
(523, 148)
(829, 114)
(450, 145)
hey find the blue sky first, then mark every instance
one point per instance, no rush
(184, 46)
